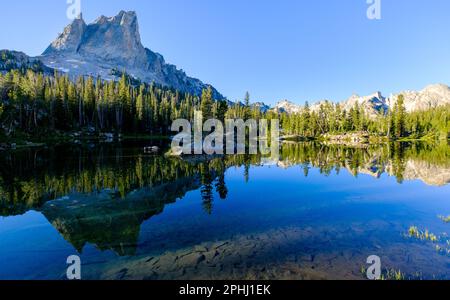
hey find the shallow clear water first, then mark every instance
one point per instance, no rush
(316, 214)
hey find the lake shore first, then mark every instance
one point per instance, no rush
(27, 141)
(22, 141)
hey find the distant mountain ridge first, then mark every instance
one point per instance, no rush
(430, 97)
(114, 43)
(13, 60)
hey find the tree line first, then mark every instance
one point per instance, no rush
(32, 102)
(394, 124)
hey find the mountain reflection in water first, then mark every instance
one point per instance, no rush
(102, 195)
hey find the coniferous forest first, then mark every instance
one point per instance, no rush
(35, 104)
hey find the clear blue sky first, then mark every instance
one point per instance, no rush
(279, 49)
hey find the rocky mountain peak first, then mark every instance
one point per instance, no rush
(260, 106)
(436, 88)
(431, 96)
(123, 18)
(111, 38)
(286, 106)
(373, 104)
(126, 18)
(70, 39)
(114, 39)
(114, 43)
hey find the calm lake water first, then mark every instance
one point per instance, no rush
(318, 213)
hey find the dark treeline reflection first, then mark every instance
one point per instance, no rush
(102, 194)
(30, 178)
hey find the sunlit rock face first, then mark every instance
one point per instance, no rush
(116, 40)
(111, 45)
(70, 39)
(430, 97)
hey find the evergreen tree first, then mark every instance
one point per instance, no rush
(222, 110)
(207, 104)
(247, 114)
(399, 117)
(140, 104)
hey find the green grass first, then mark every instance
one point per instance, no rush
(388, 274)
(414, 232)
(393, 275)
(445, 219)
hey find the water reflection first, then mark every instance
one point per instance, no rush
(102, 195)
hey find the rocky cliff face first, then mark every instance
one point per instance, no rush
(70, 39)
(114, 43)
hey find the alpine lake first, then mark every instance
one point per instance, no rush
(317, 213)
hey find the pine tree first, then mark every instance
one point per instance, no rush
(306, 116)
(72, 101)
(207, 103)
(89, 96)
(140, 104)
(400, 115)
(247, 113)
(222, 108)
(80, 88)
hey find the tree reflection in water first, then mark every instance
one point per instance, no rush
(101, 195)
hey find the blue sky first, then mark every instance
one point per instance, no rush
(280, 49)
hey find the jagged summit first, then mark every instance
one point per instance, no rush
(286, 106)
(70, 39)
(373, 104)
(431, 96)
(116, 39)
(114, 43)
